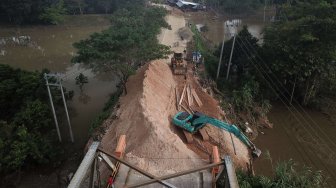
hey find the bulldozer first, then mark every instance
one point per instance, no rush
(179, 65)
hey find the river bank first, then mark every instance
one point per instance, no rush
(50, 47)
(307, 141)
(289, 140)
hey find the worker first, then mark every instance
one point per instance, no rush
(110, 182)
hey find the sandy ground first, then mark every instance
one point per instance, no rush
(144, 117)
(221, 138)
(145, 113)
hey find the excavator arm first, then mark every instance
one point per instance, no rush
(194, 122)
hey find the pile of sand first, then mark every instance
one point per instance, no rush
(144, 117)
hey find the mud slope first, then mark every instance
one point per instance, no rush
(144, 117)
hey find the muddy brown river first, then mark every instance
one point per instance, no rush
(304, 141)
(52, 49)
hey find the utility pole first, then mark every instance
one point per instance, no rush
(221, 55)
(228, 69)
(52, 107)
(58, 84)
(66, 111)
(264, 11)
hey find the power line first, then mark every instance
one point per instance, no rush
(268, 82)
(298, 104)
(278, 90)
(301, 108)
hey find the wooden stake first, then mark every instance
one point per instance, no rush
(186, 109)
(177, 99)
(188, 96)
(198, 101)
(191, 98)
(183, 93)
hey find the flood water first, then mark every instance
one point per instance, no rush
(289, 139)
(52, 49)
(215, 24)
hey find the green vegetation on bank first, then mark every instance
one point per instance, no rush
(286, 174)
(130, 42)
(54, 14)
(297, 57)
(27, 134)
(300, 49)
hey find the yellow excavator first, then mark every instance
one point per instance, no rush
(179, 65)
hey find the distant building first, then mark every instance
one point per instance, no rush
(172, 2)
(186, 5)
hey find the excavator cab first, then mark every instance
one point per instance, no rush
(194, 122)
(185, 121)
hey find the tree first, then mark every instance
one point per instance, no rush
(81, 79)
(27, 135)
(299, 48)
(127, 44)
(80, 5)
(22, 11)
(54, 14)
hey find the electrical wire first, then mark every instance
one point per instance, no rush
(272, 88)
(283, 88)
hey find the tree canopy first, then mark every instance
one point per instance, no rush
(54, 14)
(129, 42)
(52, 11)
(27, 133)
(300, 48)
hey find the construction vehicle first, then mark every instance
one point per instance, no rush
(192, 123)
(179, 65)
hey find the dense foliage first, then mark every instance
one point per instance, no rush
(52, 11)
(26, 128)
(29, 11)
(297, 58)
(245, 86)
(285, 175)
(54, 14)
(300, 49)
(128, 43)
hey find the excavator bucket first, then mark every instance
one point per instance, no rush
(256, 153)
